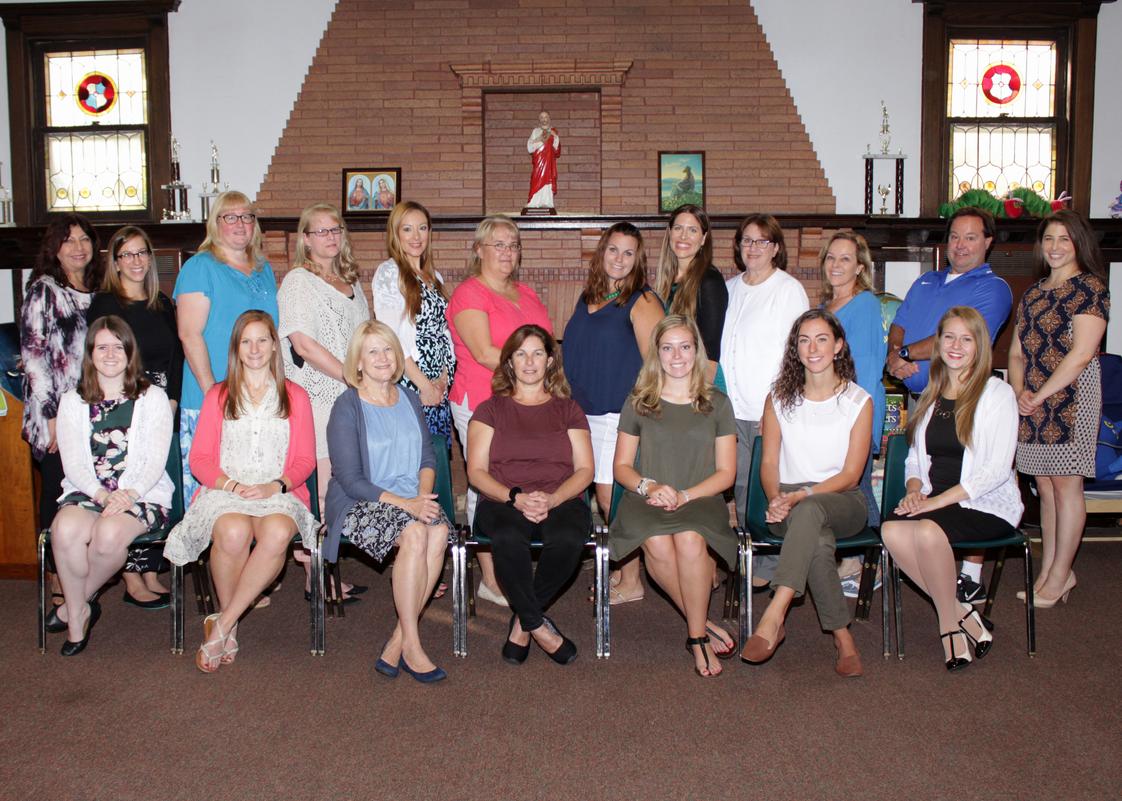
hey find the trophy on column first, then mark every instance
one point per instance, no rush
(176, 209)
(214, 186)
(5, 202)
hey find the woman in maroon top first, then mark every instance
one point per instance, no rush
(530, 458)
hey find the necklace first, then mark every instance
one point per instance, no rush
(611, 296)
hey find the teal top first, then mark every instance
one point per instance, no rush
(868, 343)
(393, 449)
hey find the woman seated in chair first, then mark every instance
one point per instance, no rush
(816, 436)
(381, 490)
(114, 431)
(253, 450)
(961, 485)
(684, 433)
(530, 458)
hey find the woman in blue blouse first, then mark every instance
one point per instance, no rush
(847, 270)
(228, 276)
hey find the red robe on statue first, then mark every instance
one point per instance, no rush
(544, 172)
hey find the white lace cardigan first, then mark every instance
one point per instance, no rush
(389, 307)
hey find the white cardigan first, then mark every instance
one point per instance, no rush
(148, 442)
(987, 465)
(389, 307)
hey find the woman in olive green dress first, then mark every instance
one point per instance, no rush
(684, 434)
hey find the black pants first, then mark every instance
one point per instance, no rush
(563, 535)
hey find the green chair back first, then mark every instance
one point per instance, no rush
(444, 478)
(757, 501)
(894, 488)
(313, 492)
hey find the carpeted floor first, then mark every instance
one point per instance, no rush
(126, 720)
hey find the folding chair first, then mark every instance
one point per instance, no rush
(759, 539)
(894, 491)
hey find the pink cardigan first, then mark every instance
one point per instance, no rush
(206, 447)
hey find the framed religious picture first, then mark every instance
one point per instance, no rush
(370, 190)
(681, 179)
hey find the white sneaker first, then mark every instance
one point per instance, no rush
(852, 584)
(487, 594)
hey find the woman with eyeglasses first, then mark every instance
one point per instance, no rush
(52, 332)
(321, 304)
(483, 312)
(131, 291)
(764, 301)
(229, 275)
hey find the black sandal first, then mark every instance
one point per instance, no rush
(702, 641)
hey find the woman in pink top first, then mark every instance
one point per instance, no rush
(484, 311)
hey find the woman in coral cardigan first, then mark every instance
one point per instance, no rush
(253, 450)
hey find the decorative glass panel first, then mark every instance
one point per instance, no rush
(102, 87)
(1002, 79)
(998, 158)
(96, 172)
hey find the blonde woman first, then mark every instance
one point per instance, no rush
(684, 435)
(961, 484)
(228, 275)
(321, 305)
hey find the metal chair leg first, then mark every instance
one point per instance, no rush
(603, 603)
(885, 640)
(459, 595)
(746, 628)
(470, 586)
(743, 586)
(1030, 608)
(898, 615)
(177, 603)
(995, 579)
(41, 547)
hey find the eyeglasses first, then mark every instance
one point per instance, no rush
(230, 219)
(323, 233)
(759, 244)
(128, 255)
(503, 247)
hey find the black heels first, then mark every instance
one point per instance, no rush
(955, 662)
(566, 652)
(984, 641)
(53, 623)
(74, 648)
(514, 653)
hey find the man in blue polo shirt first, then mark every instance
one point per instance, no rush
(969, 281)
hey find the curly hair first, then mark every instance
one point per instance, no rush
(47, 263)
(597, 285)
(790, 384)
(556, 384)
(646, 396)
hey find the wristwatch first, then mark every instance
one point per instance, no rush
(903, 352)
(283, 488)
(513, 491)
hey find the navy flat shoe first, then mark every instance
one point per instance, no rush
(434, 675)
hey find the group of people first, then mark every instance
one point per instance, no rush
(660, 391)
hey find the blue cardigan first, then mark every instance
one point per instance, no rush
(350, 478)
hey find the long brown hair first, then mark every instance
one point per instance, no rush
(47, 263)
(1088, 254)
(863, 256)
(135, 382)
(503, 382)
(407, 280)
(790, 384)
(597, 286)
(235, 373)
(939, 376)
(343, 264)
(112, 280)
(646, 395)
(685, 299)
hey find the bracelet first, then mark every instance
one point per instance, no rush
(686, 495)
(226, 484)
(644, 485)
(809, 490)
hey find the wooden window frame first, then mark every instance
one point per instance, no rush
(1072, 24)
(31, 30)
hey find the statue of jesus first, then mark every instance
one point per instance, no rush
(544, 147)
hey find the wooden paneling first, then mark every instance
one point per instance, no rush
(17, 512)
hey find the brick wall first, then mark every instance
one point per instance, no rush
(381, 90)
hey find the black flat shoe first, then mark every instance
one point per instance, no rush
(514, 653)
(566, 652)
(161, 601)
(74, 648)
(356, 589)
(350, 599)
(54, 624)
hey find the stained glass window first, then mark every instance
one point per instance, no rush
(1002, 112)
(96, 105)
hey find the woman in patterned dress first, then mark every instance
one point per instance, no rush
(254, 447)
(409, 297)
(114, 431)
(321, 304)
(52, 332)
(131, 290)
(1054, 370)
(381, 496)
